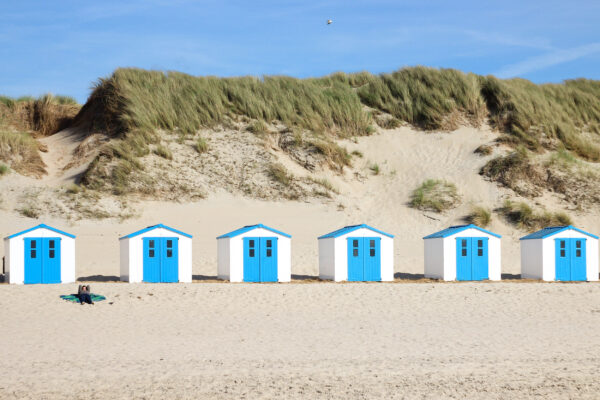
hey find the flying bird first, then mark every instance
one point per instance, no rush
(329, 22)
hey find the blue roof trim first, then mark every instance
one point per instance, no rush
(248, 228)
(40, 226)
(351, 228)
(456, 229)
(553, 230)
(155, 227)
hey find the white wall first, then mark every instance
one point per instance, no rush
(339, 248)
(234, 269)
(549, 255)
(434, 258)
(447, 263)
(15, 249)
(327, 258)
(124, 259)
(223, 258)
(132, 255)
(532, 258)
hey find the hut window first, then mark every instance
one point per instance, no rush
(562, 253)
(251, 244)
(33, 252)
(480, 248)
(151, 244)
(51, 244)
(51, 254)
(151, 253)
(269, 252)
(269, 243)
(562, 244)
(169, 253)
(33, 244)
(169, 243)
(463, 244)
(355, 243)
(578, 253)
(578, 244)
(372, 248)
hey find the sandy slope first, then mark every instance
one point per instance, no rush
(406, 157)
(231, 341)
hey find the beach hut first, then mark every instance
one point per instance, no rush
(561, 253)
(356, 253)
(463, 253)
(41, 254)
(254, 253)
(157, 253)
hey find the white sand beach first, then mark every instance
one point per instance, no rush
(355, 341)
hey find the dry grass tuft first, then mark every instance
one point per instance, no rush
(435, 195)
(480, 216)
(524, 217)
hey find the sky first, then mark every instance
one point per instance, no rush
(64, 47)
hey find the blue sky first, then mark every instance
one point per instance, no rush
(63, 47)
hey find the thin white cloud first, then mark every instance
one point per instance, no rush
(548, 60)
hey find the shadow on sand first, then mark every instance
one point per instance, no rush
(99, 278)
(408, 277)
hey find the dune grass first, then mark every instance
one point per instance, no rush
(164, 152)
(280, 174)
(480, 216)
(525, 217)
(201, 145)
(20, 151)
(435, 195)
(132, 103)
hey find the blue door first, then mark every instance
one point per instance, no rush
(372, 258)
(570, 259)
(51, 260)
(472, 261)
(364, 258)
(251, 259)
(480, 258)
(42, 260)
(33, 260)
(268, 259)
(578, 260)
(356, 270)
(169, 268)
(161, 259)
(260, 259)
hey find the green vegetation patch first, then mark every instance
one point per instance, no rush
(435, 195)
(524, 217)
(480, 216)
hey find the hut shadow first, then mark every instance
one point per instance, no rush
(409, 277)
(204, 278)
(305, 277)
(510, 276)
(2, 278)
(99, 278)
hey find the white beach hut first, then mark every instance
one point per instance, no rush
(561, 253)
(254, 253)
(463, 253)
(41, 254)
(157, 253)
(356, 253)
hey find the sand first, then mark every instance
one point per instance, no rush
(355, 341)
(303, 340)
